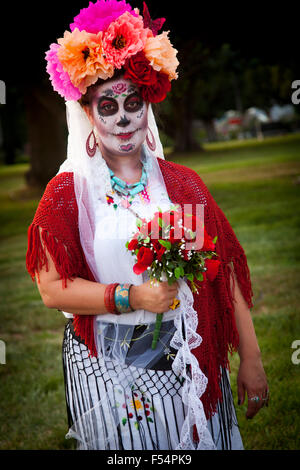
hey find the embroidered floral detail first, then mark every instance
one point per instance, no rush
(167, 352)
(136, 404)
(141, 406)
(109, 199)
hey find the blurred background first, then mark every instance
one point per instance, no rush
(233, 116)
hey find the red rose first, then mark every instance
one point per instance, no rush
(159, 249)
(139, 70)
(212, 266)
(158, 91)
(208, 244)
(133, 244)
(145, 258)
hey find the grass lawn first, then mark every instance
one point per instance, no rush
(257, 184)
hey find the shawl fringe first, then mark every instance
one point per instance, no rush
(40, 241)
(57, 216)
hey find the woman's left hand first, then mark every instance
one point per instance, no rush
(252, 380)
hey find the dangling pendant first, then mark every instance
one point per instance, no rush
(151, 144)
(91, 151)
(125, 203)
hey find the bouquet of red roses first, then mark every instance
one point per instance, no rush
(174, 245)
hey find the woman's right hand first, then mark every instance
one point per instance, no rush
(156, 297)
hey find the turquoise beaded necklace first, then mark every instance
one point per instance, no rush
(126, 189)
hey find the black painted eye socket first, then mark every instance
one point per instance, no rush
(133, 103)
(107, 106)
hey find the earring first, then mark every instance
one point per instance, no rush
(91, 151)
(151, 143)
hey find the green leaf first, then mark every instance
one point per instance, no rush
(127, 243)
(147, 240)
(165, 243)
(136, 424)
(215, 239)
(150, 420)
(190, 276)
(193, 235)
(139, 222)
(124, 421)
(199, 276)
(177, 273)
(161, 223)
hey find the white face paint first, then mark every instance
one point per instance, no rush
(120, 116)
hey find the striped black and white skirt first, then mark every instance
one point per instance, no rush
(146, 414)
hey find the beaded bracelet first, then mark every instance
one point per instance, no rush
(121, 297)
(109, 299)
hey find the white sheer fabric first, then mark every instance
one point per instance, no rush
(103, 234)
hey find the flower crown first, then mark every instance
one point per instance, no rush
(109, 35)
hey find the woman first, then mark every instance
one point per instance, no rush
(120, 393)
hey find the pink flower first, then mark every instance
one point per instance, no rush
(124, 38)
(119, 88)
(98, 16)
(60, 79)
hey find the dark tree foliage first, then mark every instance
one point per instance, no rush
(230, 57)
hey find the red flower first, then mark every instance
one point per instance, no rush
(154, 85)
(208, 244)
(145, 258)
(133, 244)
(139, 70)
(212, 266)
(185, 254)
(158, 91)
(109, 200)
(159, 249)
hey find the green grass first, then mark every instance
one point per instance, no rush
(257, 186)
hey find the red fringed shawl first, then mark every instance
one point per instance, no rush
(57, 216)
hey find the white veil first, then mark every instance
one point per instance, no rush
(91, 175)
(92, 183)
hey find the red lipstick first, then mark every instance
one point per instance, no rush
(126, 136)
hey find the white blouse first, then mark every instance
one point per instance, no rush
(114, 227)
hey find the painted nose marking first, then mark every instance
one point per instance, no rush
(123, 121)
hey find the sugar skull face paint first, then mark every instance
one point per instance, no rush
(120, 116)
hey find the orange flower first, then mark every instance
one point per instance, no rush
(136, 404)
(162, 55)
(81, 55)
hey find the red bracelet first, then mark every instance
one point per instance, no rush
(106, 297)
(112, 300)
(109, 300)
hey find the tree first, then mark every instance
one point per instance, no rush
(178, 111)
(208, 85)
(47, 133)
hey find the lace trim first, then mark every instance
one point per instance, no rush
(186, 365)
